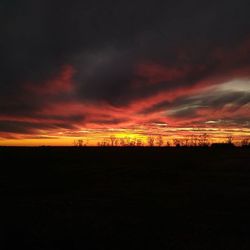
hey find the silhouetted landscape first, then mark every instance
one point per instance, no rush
(125, 198)
(125, 125)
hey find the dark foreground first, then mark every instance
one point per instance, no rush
(121, 198)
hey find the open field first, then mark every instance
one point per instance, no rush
(125, 198)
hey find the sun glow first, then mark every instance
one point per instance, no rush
(136, 136)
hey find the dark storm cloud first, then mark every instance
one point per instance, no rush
(17, 127)
(29, 127)
(40, 36)
(104, 41)
(40, 122)
(180, 34)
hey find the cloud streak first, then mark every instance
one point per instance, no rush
(73, 66)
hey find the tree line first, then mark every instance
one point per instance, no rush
(202, 140)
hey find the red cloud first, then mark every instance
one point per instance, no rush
(61, 83)
(102, 115)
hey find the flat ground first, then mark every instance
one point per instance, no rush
(125, 198)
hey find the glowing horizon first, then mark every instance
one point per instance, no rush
(92, 75)
(97, 137)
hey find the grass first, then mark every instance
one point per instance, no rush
(125, 198)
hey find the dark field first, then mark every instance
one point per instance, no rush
(125, 198)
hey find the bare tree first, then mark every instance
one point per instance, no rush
(193, 140)
(187, 142)
(245, 142)
(122, 142)
(203, 140)
(139, 143)
(151, 141)
(116, 142)
(132, 142)
(127, 141)
(177, 142)
(78, 143)
(112, 140)
(104, 143)
(159, 141)
(229, 139)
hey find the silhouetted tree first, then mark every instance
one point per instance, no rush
(122, 142)
(132, 142)
(187, 142)
(159, 141)
(229, 139)
(177, 142)
(193, 140)
(116, 142)
(139, 143)
(104, 143)
(151, 141)
(127, 141)
(245, 142)
(203, 140)
(78, 143)
(112, 140)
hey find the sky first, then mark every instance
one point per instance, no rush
(91, 69)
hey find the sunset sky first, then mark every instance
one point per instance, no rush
(91, 69)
